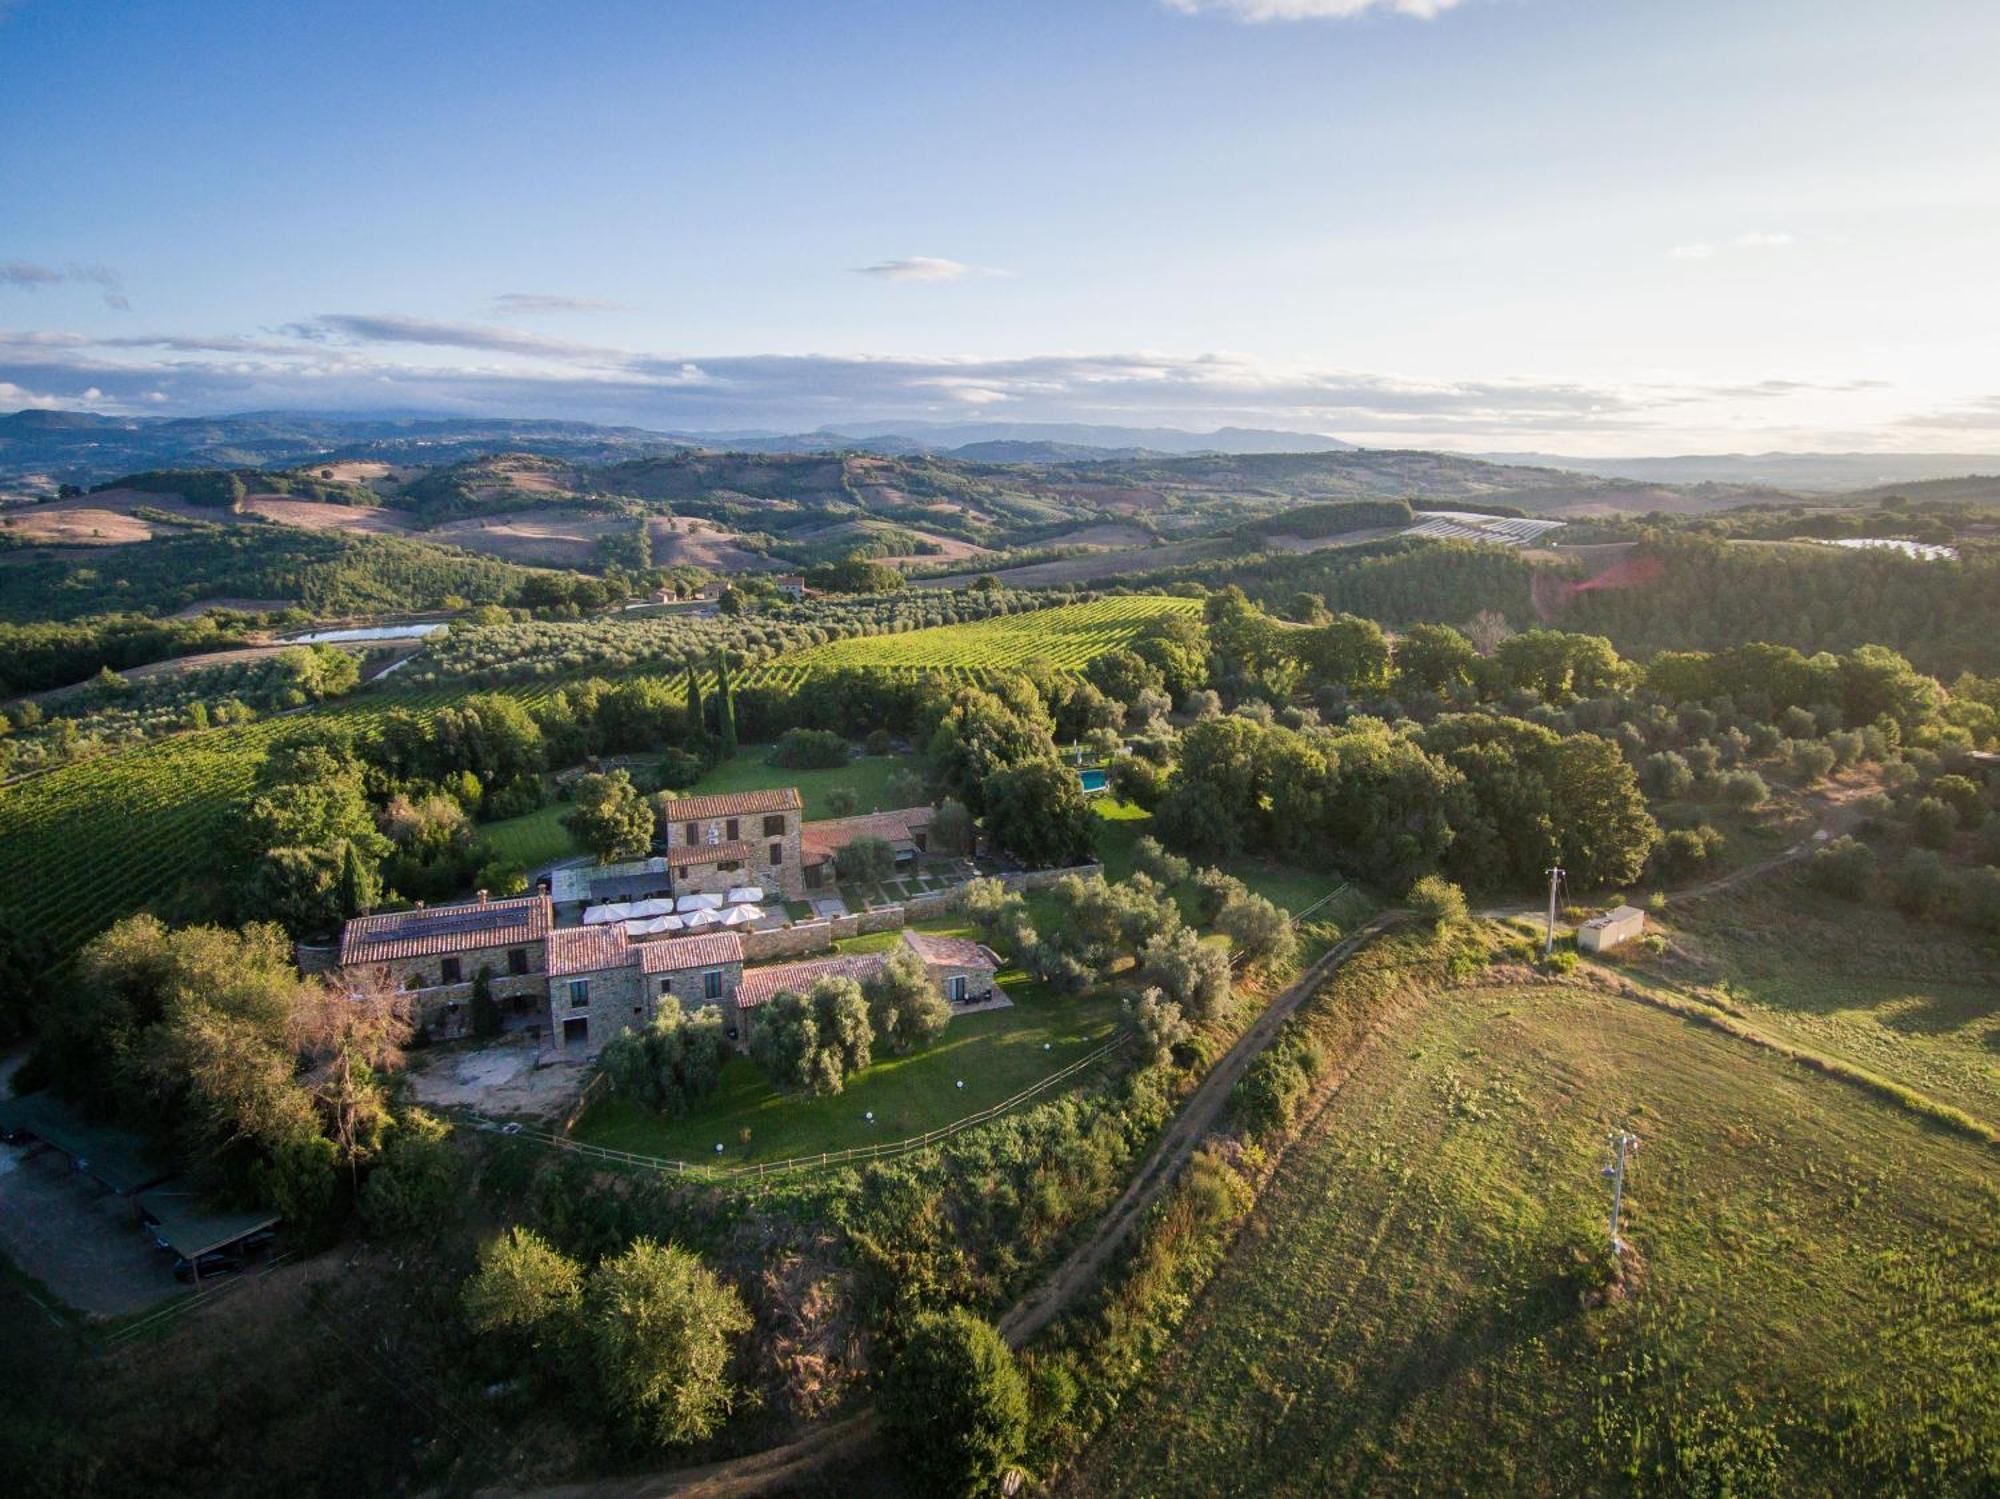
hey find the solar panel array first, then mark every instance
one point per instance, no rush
(453, 921)
(1509, 531)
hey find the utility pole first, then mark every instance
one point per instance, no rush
(1624, 1142)
(1555, 879)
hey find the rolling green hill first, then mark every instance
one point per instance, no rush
(1812, 1306)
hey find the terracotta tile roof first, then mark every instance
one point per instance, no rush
(712, 853)
(761, 984)
(826, 838)
(587, 949)
(953, 952)
(731, 804)
(444, 929)
(708, 950)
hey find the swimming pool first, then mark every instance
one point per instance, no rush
(1094, 781)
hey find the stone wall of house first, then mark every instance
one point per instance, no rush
(616, 1001)
(788, 875)
(445, 1010)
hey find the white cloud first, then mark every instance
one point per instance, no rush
(1756, 239)
(28, 276)
(1259, 11)
(917, 268)
(534, 303)
(356, 361)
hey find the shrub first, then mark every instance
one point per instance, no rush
(869, 860)
(951, 830)
(671, 1063)
(954, 1406)
(809, 1043)
(809, 749)
(1666, 776)
(1268, 1097)
(1920, 886)
(1933, 823)
(1437, 901)
(523, 1289)
(1743, 789)
(1845, 867)
(1151, 857)
(1964, 798)
(611, 818)
(1213, 890)
(1159, 1025)
(418, 1184)
(1685, 852)
(840, 801)
(658, 1325)
(904, 1007)
(1191, 973)
(1259, 932)
(679, 769)
(880, 742)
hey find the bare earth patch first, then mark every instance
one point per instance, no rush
(315, 515)
(675, 544)
(512, 1075)
(554, 535)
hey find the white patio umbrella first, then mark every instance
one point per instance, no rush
(742, 915)
(698, 920)
(745, 895)
(698, 903)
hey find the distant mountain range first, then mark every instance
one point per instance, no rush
(1801, 471)
(80, 447)
(43, 447)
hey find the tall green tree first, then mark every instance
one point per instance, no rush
(954, 1406)
(725, 710)
(660, 1329)
(611, 818)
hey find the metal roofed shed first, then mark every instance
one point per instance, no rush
(121, 1159)
(578, 884)
(1613, 929)
(182, 1223)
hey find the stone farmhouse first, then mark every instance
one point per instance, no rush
(586, 984)
(434, 955)
(711, 843)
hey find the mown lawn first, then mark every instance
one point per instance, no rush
(995, 1053)
(867, 776)
(1814, 1308)
(534, 838)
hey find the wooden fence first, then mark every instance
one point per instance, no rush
(703, 1171)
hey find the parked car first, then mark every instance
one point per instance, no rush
(215, 1262)
(258, 1242)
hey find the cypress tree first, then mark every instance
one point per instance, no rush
(696, 712)
(725, 709)
(360, 885)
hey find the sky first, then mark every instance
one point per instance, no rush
(1595, 227)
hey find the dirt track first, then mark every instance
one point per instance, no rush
(778, 1467)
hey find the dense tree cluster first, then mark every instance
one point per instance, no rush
(647, 1334)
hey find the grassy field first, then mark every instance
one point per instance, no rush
(1916, 1002)
(867, 777)
(995, 1053)
(1814, 1306)
(534, 838)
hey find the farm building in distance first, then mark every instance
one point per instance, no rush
(1614, 928)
